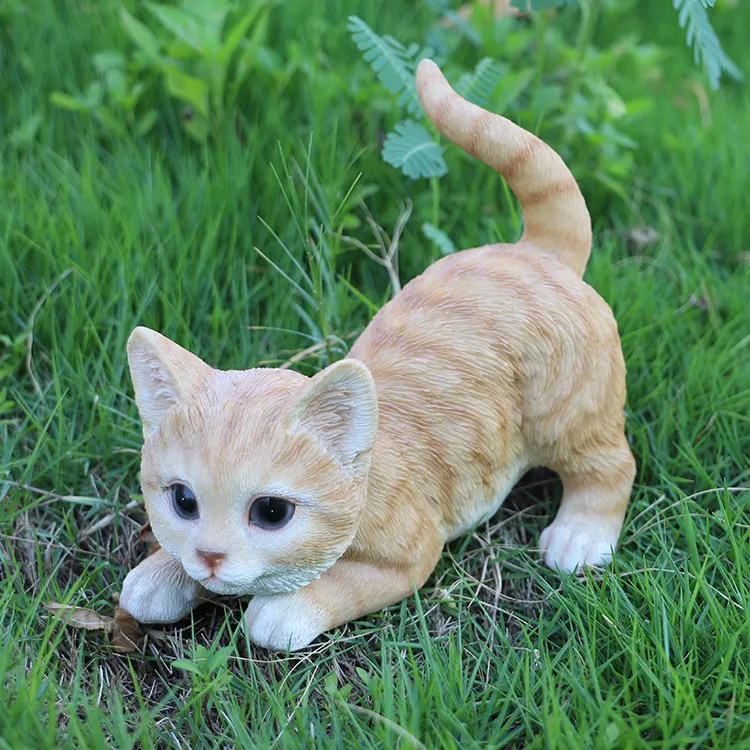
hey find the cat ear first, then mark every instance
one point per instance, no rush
(163, 375)
(339, 407)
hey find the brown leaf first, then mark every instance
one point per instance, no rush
(148, 538)
(125, 633)
(639, 238)
(704, 303)
(80, 617)
(127, 636)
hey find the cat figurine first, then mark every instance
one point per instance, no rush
(330, 497)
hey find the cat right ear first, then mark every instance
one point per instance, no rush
(339, 408)
(163, 374)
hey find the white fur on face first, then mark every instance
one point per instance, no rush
(257, 561)
(239, 436)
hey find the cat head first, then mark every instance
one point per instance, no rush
(254, 480)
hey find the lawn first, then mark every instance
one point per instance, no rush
(106, 223)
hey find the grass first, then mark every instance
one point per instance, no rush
(99, 234)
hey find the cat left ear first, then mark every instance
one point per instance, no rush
(163, 375)
(339, 407)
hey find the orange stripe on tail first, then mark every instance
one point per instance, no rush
(555, 216)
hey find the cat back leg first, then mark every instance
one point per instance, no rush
(596, 489)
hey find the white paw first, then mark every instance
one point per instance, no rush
(577, 542)
(284, 621)
(155, 592)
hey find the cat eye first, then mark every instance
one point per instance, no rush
(271, 512)
(184, 501)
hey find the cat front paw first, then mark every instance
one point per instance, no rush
(284, 621)
(159, 591)
(577, 542)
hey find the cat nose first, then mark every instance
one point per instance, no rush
(211, 558)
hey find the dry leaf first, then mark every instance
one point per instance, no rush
(127, 635)
(639, 238)
(147, 537)
(704, 303)
(80, 617)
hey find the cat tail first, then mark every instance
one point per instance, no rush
(555, 216)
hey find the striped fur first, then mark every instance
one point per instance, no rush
(496, 359)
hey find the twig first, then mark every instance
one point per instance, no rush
(64, 547)
(53, 496)
(106, 520)
(366, 250)
(392, 257)
(305, 353)
(657, 516)
(388, 247)
(381, 235)
(403, 734)
(27, 550)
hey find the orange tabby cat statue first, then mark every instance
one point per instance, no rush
(331, 497)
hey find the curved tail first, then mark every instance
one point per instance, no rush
(555, 216)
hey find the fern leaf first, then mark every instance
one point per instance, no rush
(693, 17)
(479, 85)
(395, 64)
(411, 149)
(439, 238)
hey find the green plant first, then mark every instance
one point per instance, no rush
(570, 93)
(11, 356)
(202, 51)
(410, 146)
(114, 97)
(586, 104)
(580, 111)
(707, 49)
(208, 674)
(651, 653)
(693, 17)
(204, 663)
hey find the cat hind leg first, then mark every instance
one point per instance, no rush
(596, 490)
